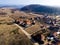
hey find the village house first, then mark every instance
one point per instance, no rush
(49, 20)
(53, 28)
(24, 22)
(38, 18)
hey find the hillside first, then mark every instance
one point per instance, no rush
(10, 34)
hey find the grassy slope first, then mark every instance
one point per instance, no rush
(11, 34)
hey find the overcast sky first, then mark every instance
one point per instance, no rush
(27, 2)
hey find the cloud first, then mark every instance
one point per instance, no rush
(27, 2)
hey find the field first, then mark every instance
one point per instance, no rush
(10, 35)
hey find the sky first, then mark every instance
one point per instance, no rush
(27, 2)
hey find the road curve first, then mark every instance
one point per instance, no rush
(26, 33)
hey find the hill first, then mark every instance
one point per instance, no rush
(11, 6)
(40, 9)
